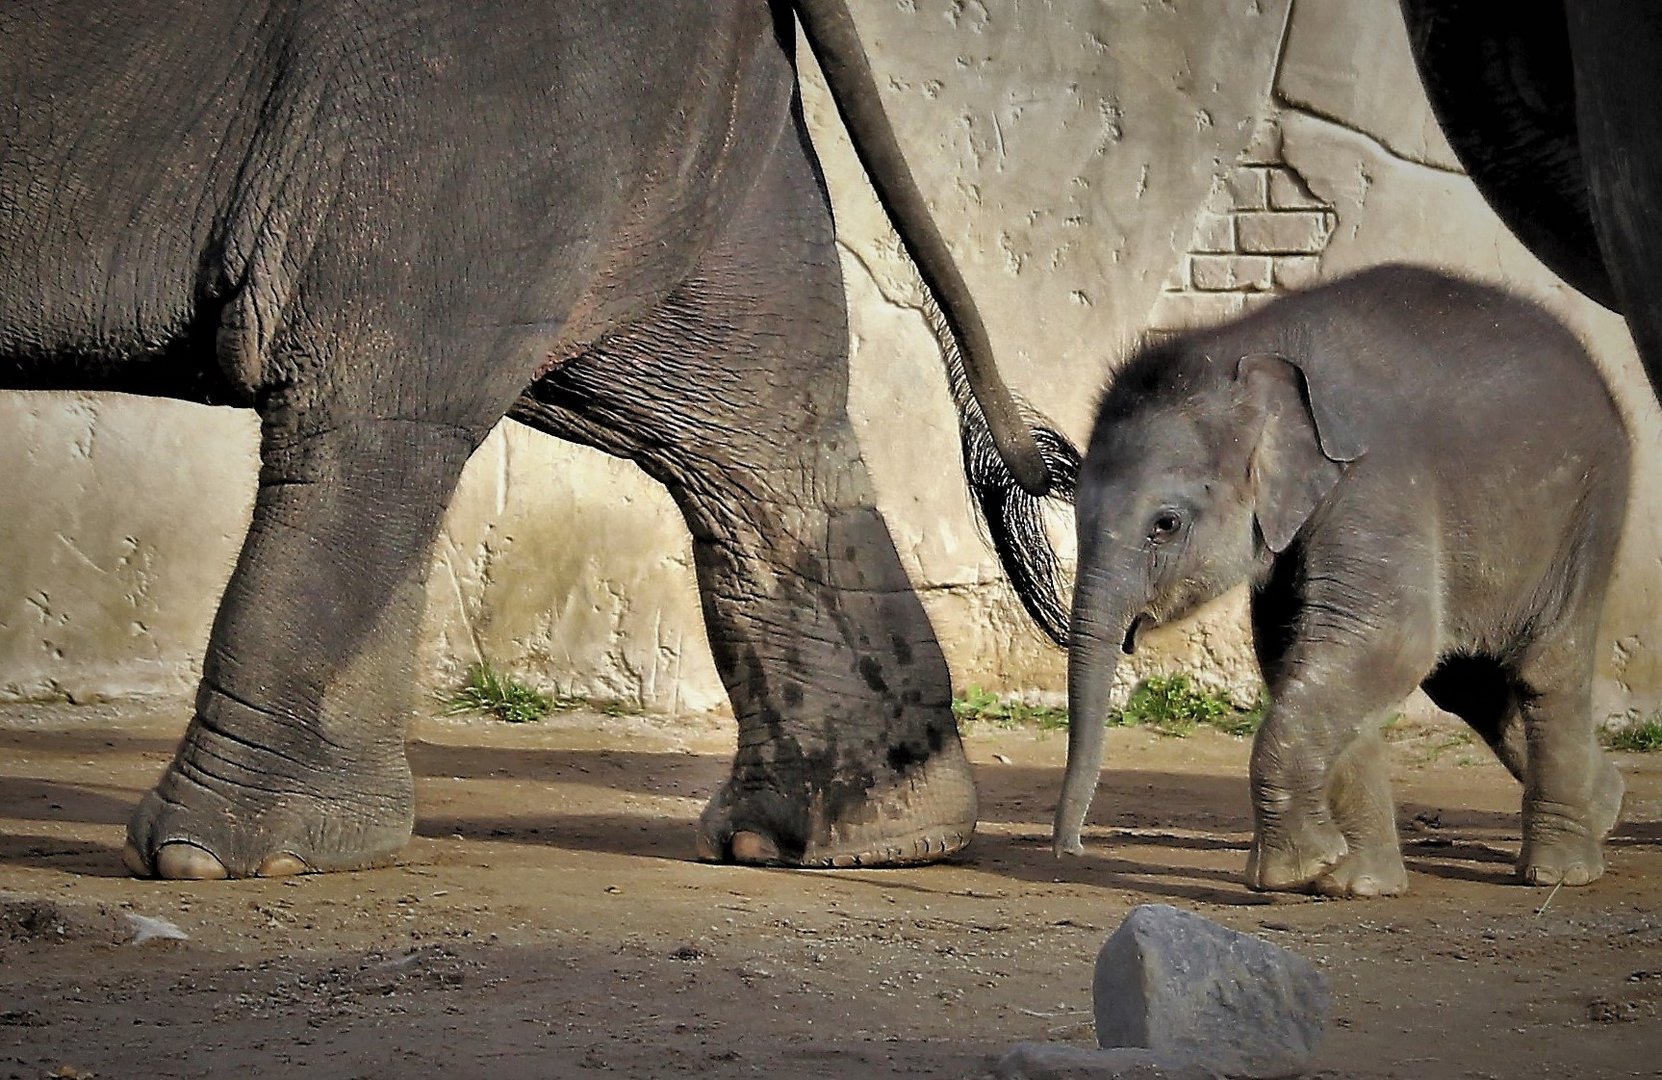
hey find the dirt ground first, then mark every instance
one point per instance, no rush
(548, 921)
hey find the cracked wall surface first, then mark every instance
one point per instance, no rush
(1100, 170)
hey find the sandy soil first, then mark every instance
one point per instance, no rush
(548, 921)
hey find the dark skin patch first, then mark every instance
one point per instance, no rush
(872, 672)
(906, 756)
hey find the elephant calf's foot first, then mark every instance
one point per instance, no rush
(919, 813)
(196, 825)
(1362, 875)
(1570, 860)
(1608, 790)
(1294, 860)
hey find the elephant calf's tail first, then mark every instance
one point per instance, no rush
(1014, 519)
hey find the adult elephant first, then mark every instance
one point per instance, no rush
(1551, 108)
(385, 228)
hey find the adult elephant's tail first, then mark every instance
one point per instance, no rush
(1014, 518)
(1013, 457)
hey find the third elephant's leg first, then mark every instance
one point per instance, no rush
(733, 394)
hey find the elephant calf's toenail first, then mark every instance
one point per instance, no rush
(706, 850)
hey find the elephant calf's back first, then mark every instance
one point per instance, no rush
(1463, 373)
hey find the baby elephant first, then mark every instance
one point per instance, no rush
(1423, 480)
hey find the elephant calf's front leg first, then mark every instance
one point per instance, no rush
(1325, 821)
(1359, 798)
(1294, 838)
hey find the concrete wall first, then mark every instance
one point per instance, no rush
(1100, 168)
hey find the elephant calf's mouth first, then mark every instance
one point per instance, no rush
(1129, 645)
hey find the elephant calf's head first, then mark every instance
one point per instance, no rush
(1202, 465)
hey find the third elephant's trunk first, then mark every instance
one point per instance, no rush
(1093, 656)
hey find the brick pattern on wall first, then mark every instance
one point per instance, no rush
(1263, 232)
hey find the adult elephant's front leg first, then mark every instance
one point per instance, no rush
(295, 757)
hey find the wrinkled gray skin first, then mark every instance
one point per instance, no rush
(1423, 480)
(385, 227)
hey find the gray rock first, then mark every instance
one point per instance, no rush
(1188, 989)
(1062, 1061)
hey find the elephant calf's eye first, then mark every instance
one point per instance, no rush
(1165, 526)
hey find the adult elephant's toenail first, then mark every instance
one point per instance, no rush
(135, 862)
(284, 865)
(181, 861)
(750, 847)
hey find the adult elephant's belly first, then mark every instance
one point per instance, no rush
(576, 177)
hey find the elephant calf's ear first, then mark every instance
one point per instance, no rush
(1289, 471)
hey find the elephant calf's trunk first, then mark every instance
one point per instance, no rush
(1092, 661)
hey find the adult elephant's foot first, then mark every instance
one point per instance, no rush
(893, 806)
(225, 809)
(1294, 858)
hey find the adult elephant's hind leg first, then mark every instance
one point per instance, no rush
(848, 754)
(733, 394)
(294, 759)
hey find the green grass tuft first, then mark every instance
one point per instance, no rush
(1638, 736)
(498, 694)
(1170, 704)
(985, 707)
(1174, 705)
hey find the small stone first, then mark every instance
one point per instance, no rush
(1062, 1061)
(152, 928)
(1188, 989)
